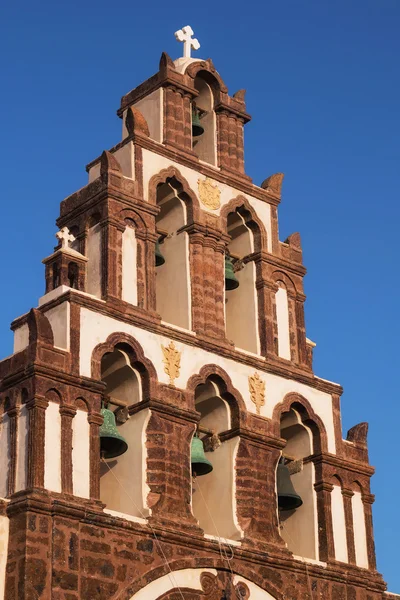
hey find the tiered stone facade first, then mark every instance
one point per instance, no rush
(60, 540)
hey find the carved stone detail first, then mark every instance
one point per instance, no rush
(172, 361)
(257, 391)
(209, 193)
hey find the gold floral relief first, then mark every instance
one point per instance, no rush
(209, 193)
(172, 361)
(257, 391)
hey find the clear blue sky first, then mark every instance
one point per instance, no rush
(322, 82)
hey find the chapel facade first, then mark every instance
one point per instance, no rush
(166, 379)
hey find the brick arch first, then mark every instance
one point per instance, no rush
(187, 194)
(308, 417)
(206, 71)
(225, 572)
(241, 205)
(288, 282)
(138, 360)
(53, 395)
(227, 390)
(127, 214)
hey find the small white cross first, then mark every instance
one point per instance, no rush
(65, 237)
(185, 35)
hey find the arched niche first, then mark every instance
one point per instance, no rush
(205, 145)
(213, 495)
(173, 277)
(241, 312)
(299, 527)
(129, 263)
(123, 485)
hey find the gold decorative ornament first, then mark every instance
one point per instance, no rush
(257, 391)
(172, 361)
(210, 194)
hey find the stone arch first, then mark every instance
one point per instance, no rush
(219, 576)
(93, 219)
(228, 392)
(241, 205)
(128, 215)
(53, 395)
(128, 344)
(206, 70)
(308, 417)
(186, 194)
(288, 282)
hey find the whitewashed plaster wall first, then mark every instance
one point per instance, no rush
(214, 496)
(154, 163)
(22, 450)
(360, 534)
(80, 454)
(123, 486)
(190, 578)
(4, 532)
(95, 329)
(21, 338)
(52, 448)
(5, 454)
(59, 318)
(339, 524)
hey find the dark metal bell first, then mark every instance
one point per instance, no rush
(112, 443)
(197, 127)
(160, 260)
(200, 465)
(231, 282)
(288, 499)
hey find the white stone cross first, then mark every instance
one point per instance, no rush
(65, 237)
(185, 35)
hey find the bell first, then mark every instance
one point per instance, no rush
(231, 282)
(112, 444)
(160, 260)
(287, 497)
(197, 127)
(200, 465)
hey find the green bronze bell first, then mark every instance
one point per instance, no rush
(197, 127)
(160, 260)
(200, 465)
(231, 282)
(112, 443)
(288, 499)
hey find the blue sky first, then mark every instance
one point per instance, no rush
(322, 82)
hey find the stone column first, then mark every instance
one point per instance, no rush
(223, 139)
(368, 500)
(348, 515)
(67, 414)
(255, 491)
(36, 440)
(301, 331)
(325, 526)
(13, 414)
(95, 420)
(196, 242)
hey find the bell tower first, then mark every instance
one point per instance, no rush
(163, 434)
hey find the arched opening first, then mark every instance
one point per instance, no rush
(213, 495)
(94, 253)
(359, 528)
(241, 313)
(338, 521)
(204, 145)
(129, 263)
(282, 321)
(299, 527)
(173, 276)
(123, 485)
(73, 273)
